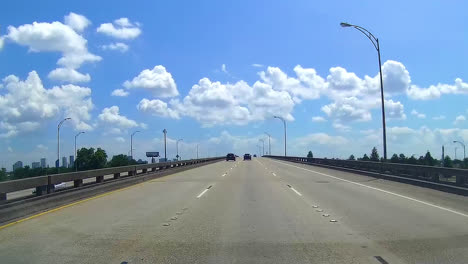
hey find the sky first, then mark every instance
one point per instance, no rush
(215, 73)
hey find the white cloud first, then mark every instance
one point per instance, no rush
(157, 108)
(118, 46)
(319, 139)
(119, 92)
(459, 119)
(417, 114)
(121, 28)
(111, 116)
(436, 91)
(54, 36)
(27, 102)
(439, 117)
(318, 119)
(341, 127)
(10, 149)
(120, 139)
(156, 80)
(2, 41)
(57, 37)
(347, 109)
(76, 21)
(223, 68)
(42, 147)
(68, 75)
(257, 65)
(394, 110)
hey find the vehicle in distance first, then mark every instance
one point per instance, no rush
(230, 156)
(247, 156)
(255, 155)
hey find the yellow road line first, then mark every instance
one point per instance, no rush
(68, 205)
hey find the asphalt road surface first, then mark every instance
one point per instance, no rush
(259, 211)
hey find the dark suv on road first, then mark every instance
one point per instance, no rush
(247, 156)
(230, 156)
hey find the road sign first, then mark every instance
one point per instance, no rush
(152, 154)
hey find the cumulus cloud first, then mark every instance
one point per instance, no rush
(436, 91)
(76, 21)
(223, 68)
(2, 41)
(27, 102)
(459, 119)
(157, 108)
(319, 139)
(120, 139)
(121, 28)
(69, 75)
(118, 46)
(417, 114)
(111, 116)
(157, 80)
(318, 119)
(57, 37)
(119, 92)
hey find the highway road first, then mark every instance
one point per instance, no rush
(259, 211)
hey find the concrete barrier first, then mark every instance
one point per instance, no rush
(45, 184)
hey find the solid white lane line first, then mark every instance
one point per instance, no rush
(380, 190)
(298, 193)
(274, 174)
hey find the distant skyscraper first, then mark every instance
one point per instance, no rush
(17, 165)
(36, 164)
(72, 161)
(64, 162)
(43, 163)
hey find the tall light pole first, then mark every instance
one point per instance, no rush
(131, 143)
(375, 42)
(197, 151)
(177, 147)
(284, 124)
(263, 143)
(463, 144)
(165, 149)
(455, 152)
(58, 142)
(269, 143)
(76, 167)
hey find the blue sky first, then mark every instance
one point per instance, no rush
(167, 57)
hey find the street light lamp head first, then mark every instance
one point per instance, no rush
(344, 24)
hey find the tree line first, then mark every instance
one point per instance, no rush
(426, 160)
(86, 159)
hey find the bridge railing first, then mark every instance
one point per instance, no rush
(451, 176)
(46, 184)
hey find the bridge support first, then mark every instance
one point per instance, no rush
(116, 175)
(144, 170)
(3, 196)
(99, 179)
(460, 180)
(41, 190)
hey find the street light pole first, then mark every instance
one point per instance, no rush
(284, 124)
(263, 142)
(463, 144)
(131, 144)
(197, 151)
(177, 147)
(58, 142)
(76, 167)
(375, 42)
(165, 149)
(269, 143)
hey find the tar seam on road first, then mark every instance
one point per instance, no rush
(381, 260)
(381, 190)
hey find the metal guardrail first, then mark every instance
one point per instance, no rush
(408, 171)
(45, 184)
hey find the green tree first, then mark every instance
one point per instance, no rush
(465, 163)
(402, 158)
(365, 157)
(3, 174)
(412, 160)
(351, 157)
(374, 155)
(310, 154)
(448, 162)
(119, 160)
(429, 160)
(394, 158)
(88, 159)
